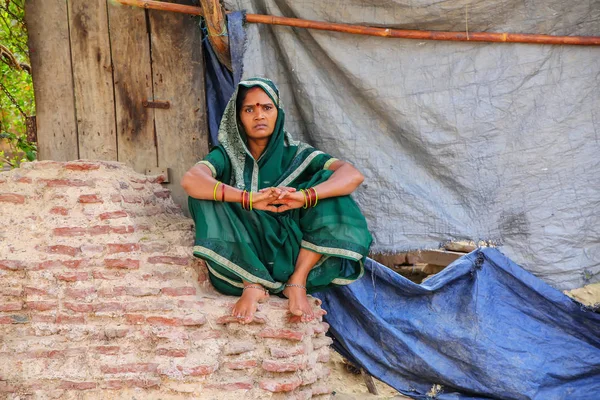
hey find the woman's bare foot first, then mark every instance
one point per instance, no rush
(246, 306)
(298, 302)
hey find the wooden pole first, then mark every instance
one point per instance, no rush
(385, 32)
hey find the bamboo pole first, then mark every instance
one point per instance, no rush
(384, 32)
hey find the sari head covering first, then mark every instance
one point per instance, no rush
(260, 246)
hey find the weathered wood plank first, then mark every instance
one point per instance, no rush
(93, 81)
(50, 55)
(130, 50)
(178, 69)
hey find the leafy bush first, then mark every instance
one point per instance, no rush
(16, 88)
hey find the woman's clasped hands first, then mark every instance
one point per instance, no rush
(278, 199)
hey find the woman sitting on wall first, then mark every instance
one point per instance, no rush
(273, 215)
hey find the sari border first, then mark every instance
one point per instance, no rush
(224, 278)
(331, 251)
(329, 162)
(344, 281)
(264, 86)
(296, 173)
(212, 168)
(236, 269)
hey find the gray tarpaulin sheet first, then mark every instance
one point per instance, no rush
(456, 140)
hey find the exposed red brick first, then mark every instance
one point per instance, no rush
(106, 349)
(229, 386)
(14, 319)
(112, 306)
(157, 179)
(66, 182)
(70, 319)
(122, 247)
(79, 307)
(163, 194)
(72, 276)
(171, 352)
(200, 370)
(11, 265)
(112, 215)
(132, 199)
(115, 198)
(283, 366)
(179, 291)
(125, 263)
(69, 231)
(79, 293)
(169, 260)
(284, 352)
(135, 318)
(73, 264)
(12, 198)
(68, 385)
(141, 291)
(127, 383)
(24, 179)
(81, 166)
(108, 275)
(245, 364)
(281, 334)
(59, 211)
(125, 368)
(92, 249)
(194, 321)
(164, 321)
(61, 249)
(50, 264)
(121, 230)
(112, 291)
(99, 230)
(31, 291)
(138, 180)
(89, 199)
(10, 306)
(284, 385)
(41, 305)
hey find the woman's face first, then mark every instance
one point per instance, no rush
(258, 114)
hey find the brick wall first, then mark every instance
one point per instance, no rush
(101, 298)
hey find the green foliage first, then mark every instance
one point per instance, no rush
(16, 88)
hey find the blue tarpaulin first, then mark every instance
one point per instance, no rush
(219, 81)
(482, 328)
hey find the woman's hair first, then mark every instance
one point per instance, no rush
(241, 96)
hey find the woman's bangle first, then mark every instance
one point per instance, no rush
(222, 193)
(215, 190)
(247, 202)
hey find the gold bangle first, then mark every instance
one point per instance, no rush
(215, 191)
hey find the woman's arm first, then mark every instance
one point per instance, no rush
(344, 180)
(199, 183)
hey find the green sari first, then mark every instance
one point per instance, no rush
(260, 246)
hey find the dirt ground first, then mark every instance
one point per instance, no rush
(588, 295)
(351, 386)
